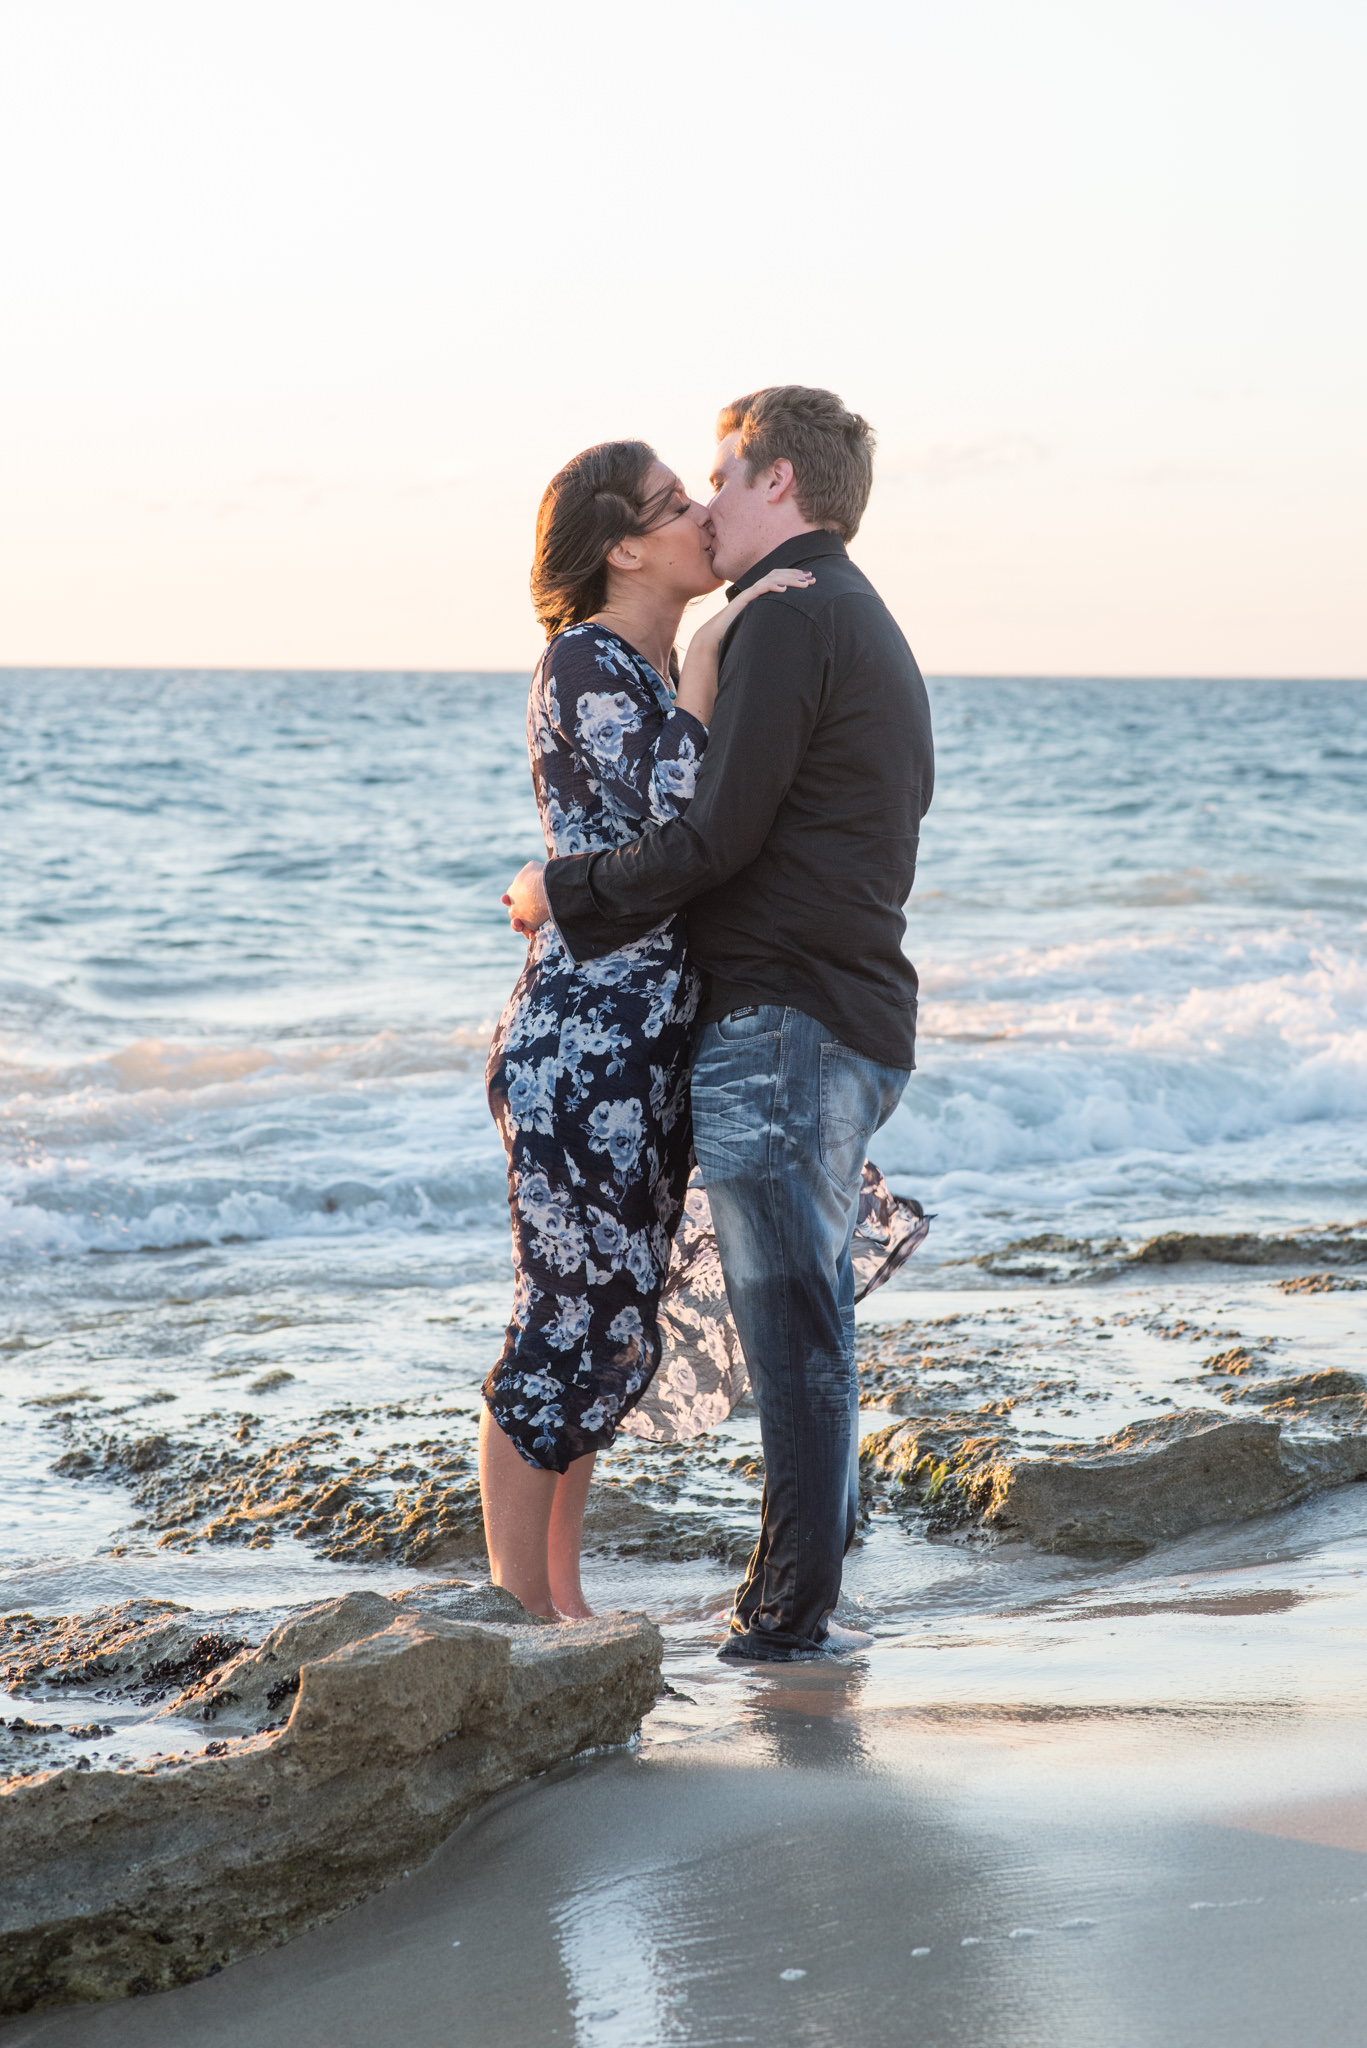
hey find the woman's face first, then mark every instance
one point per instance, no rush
(677, 552)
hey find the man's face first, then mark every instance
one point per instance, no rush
(738, 513)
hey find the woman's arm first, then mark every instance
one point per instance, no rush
(697, 690)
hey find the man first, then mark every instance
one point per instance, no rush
(794, 861)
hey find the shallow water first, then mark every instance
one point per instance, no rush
(250, 955)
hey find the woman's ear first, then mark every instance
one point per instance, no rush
(624, 556)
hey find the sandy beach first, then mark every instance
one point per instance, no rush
(1136, 1813)
(1061, 1799)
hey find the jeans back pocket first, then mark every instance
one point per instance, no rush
(848, 1112)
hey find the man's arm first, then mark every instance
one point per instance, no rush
(773, 677)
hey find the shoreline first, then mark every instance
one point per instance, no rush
(1169, 1691)
(1151, 1825)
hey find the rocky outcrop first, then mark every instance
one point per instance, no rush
(1049, 1256)
(402, 1503)
(135, 1880)
(1145, 1485)
(409, 1503)
(1300, 1392)
(141, 1650)
(1319, 1283)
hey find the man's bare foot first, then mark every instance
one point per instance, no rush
(573, 1610)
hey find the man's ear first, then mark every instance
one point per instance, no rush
(623, 556)
(779, 482)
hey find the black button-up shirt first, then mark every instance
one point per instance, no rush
(798, 851)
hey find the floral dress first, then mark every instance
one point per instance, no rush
(588, 1071)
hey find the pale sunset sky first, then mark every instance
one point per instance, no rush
(305, 300)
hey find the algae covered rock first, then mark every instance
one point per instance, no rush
(143, 1649)
(1147, 1484)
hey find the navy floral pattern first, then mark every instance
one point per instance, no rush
(588, 1071)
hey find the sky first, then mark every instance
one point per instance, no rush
(305, 301)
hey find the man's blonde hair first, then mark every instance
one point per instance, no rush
(831, 450)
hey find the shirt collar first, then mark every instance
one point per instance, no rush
(790, 554)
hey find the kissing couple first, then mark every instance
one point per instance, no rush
(714, 972)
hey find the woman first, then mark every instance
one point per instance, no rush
(588, 1072)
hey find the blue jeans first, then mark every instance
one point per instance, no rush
(782, 1117)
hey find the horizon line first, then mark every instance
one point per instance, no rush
(931, 675)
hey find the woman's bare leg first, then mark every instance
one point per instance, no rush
(565, 1536)
(518, 1500)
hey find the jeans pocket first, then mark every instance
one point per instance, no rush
(744, 1026)
(847, 1112)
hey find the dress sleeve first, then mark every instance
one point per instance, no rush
(676, 755)
(605, 714)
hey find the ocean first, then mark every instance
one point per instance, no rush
(251, 952)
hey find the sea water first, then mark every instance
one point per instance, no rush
(251, 953)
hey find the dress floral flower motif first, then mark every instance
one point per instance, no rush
(588, 1072)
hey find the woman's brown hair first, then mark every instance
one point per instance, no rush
(595, 501)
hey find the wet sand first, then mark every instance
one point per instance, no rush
(1061, 1800)
(1142, 1819)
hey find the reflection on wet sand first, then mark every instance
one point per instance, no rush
(1274, 1600)
(1339, 1823)
(831, 1874)
(809, 1718)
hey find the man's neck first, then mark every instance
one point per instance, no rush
(817, 539)
(771, 542)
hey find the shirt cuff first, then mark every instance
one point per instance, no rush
(584, 931)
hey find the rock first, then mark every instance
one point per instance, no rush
(617, 1523)
(950, 1471)
(457, 1600)
(1233, 1363)
(147, 1454)
(1190, 1247)
(411, 1503)
(248, 1693)
(1147, 1484)
(191, 1492)
(119, 1882)
(912, 1400)
(1051, 1257)
(252, 1693)
(1303, 1389)
(142, 1649)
